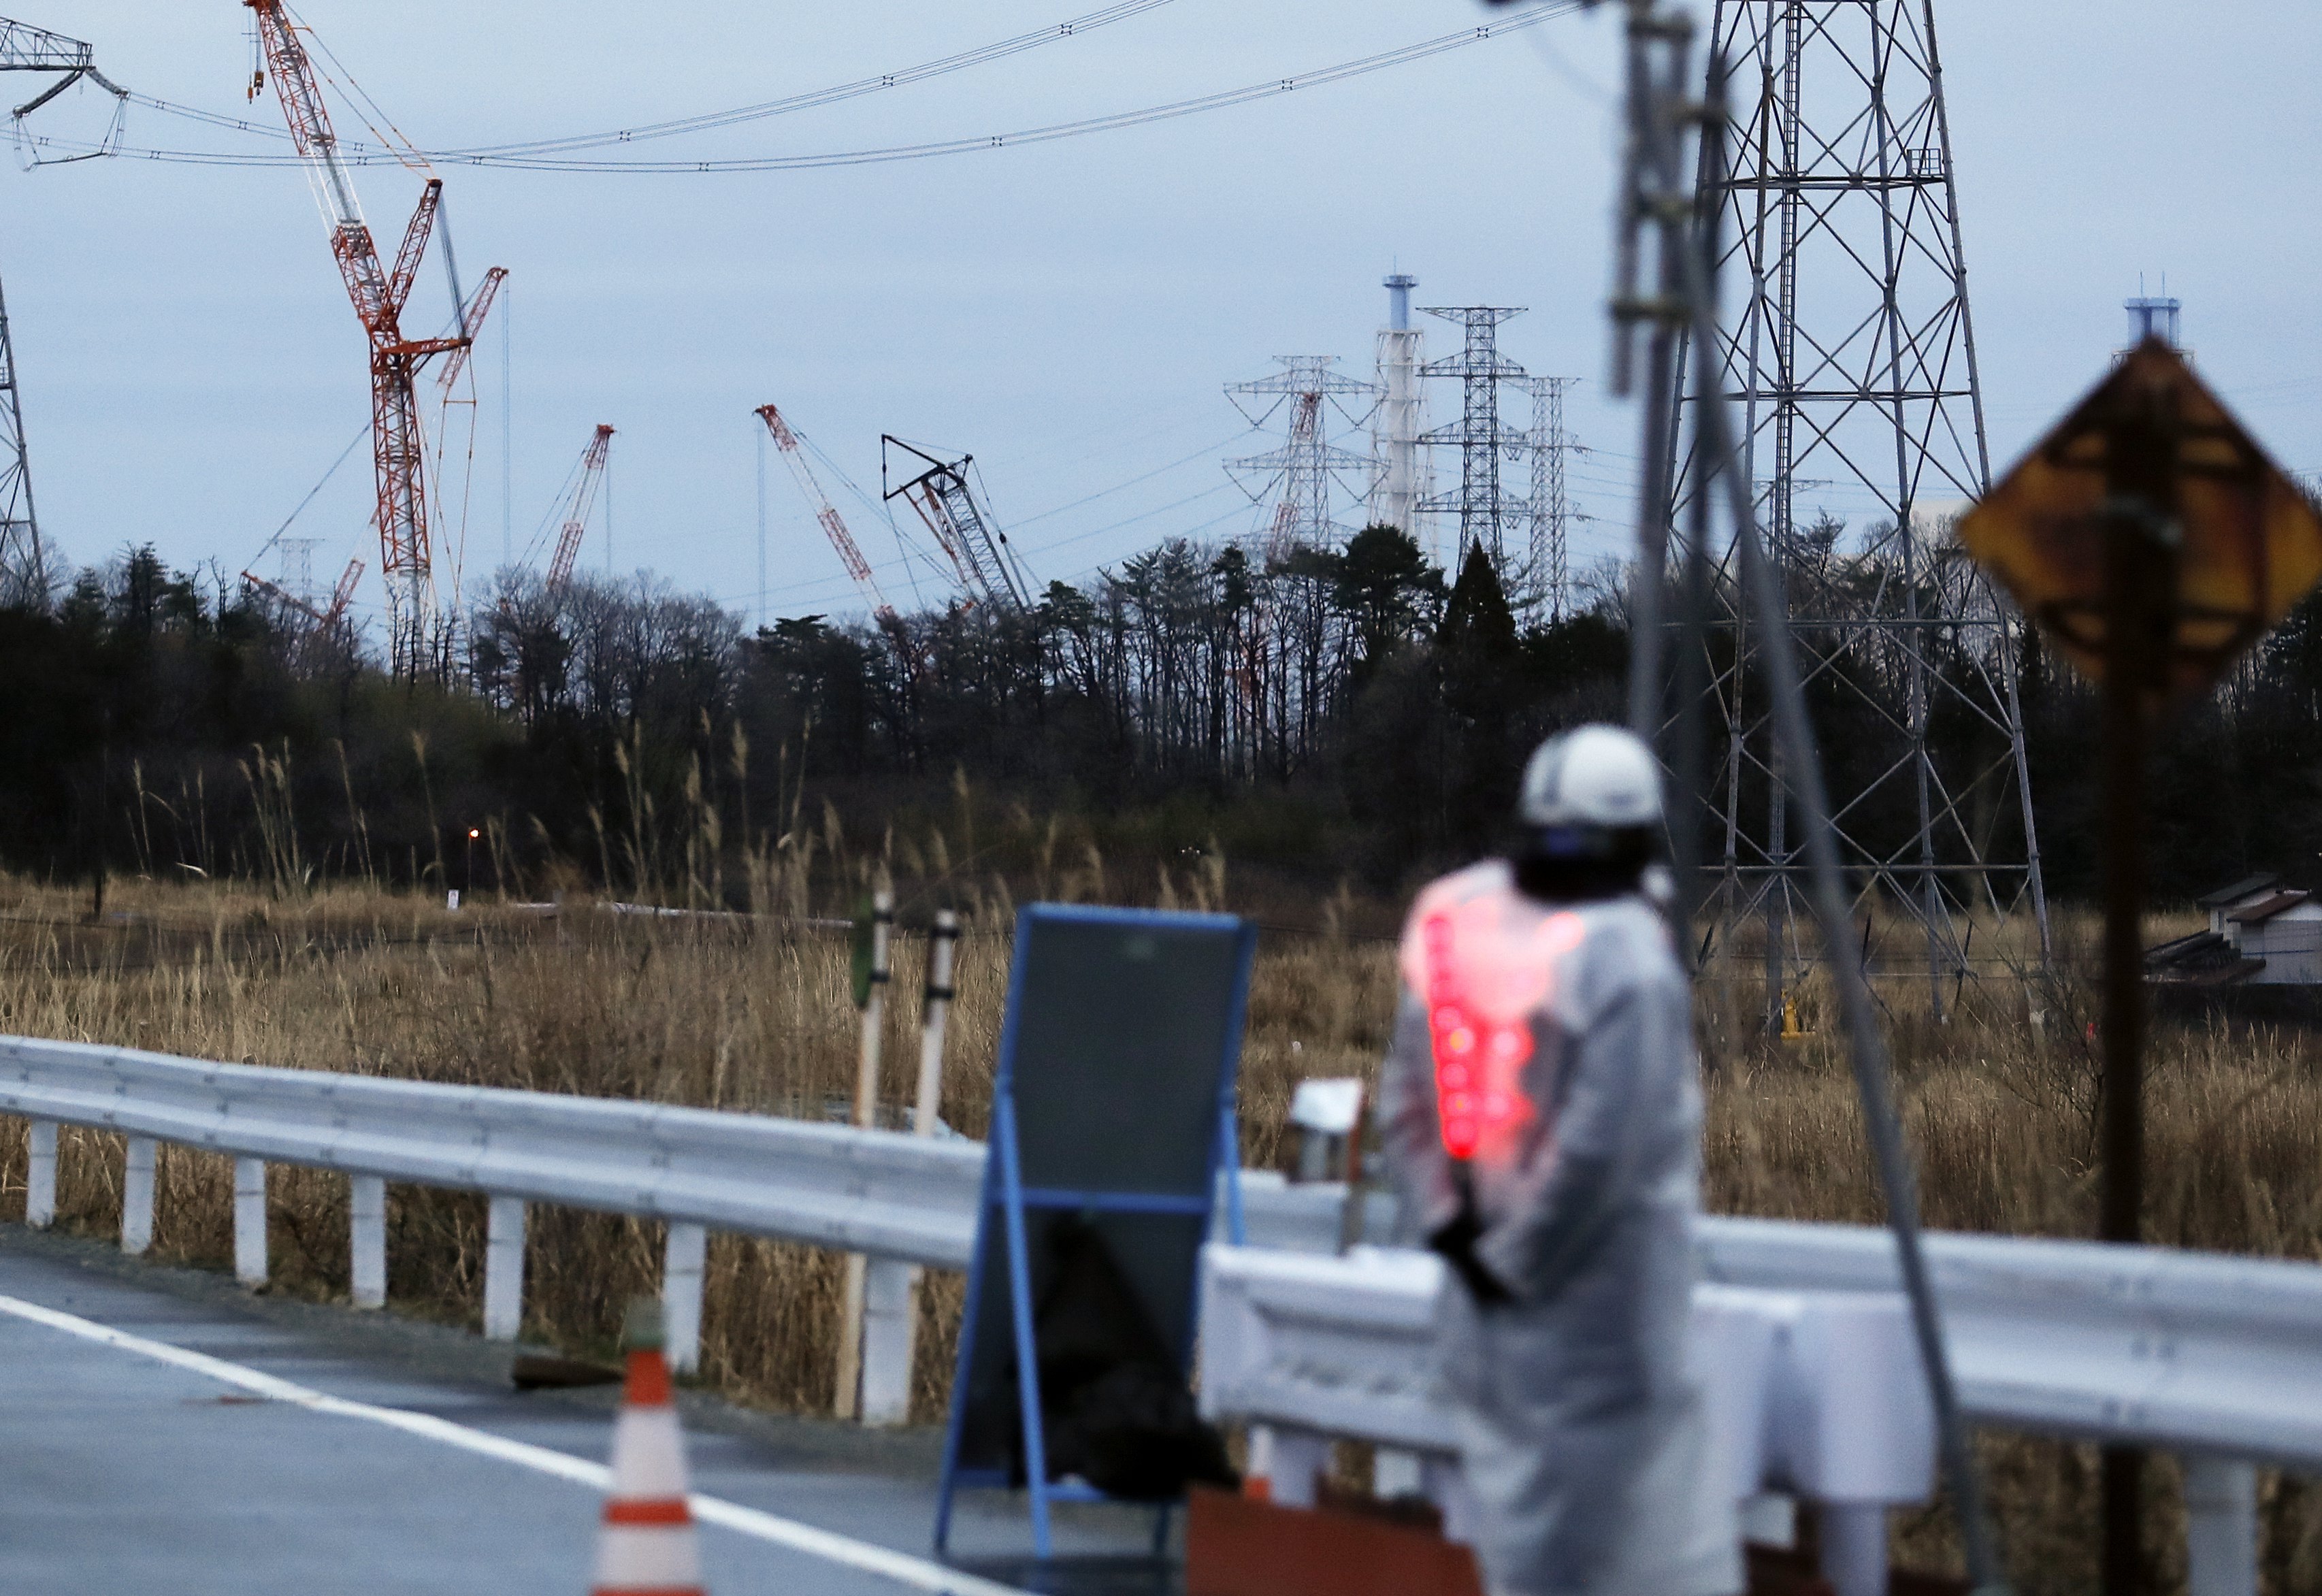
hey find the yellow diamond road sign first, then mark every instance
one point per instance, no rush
(2246, 542)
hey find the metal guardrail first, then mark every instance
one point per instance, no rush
(2190, 1352)
(1817, 1394)
(905, 1197)
(2218, 1359)
(905, 1201)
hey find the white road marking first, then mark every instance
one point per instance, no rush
(919, 1573)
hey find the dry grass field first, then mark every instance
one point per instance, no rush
(755, 1015)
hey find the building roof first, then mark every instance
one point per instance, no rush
(2205, 959)
(2247, 886)
(2192, 949)
(2267, 907)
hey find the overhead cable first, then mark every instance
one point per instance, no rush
(1270, 88)
(808, 100)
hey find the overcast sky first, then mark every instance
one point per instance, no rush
(1068, 312)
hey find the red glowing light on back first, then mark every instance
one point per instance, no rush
(1478, 1059)
(1471, 1051)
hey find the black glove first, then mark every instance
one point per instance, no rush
(1455, 1243)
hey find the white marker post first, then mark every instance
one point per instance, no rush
(891, 1320)
(249, 1221)
(367, 1223)
(40, 1176)
(866, 1109)
(504, 1269)
(137, 1196)
(685, 1257)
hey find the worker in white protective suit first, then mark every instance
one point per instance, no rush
(1541, 1109)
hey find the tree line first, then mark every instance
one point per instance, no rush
(1357, 714)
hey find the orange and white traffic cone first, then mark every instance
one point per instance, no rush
(647, 1545)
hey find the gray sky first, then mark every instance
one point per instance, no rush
(1068, 312)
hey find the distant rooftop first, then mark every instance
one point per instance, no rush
(2266, 908)
(2248, 886)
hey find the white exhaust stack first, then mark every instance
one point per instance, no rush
(1400, 483)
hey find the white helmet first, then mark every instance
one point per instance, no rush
(1591, 775)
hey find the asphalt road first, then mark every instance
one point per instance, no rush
(160, 1430)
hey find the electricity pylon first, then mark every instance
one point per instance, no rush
(1482, 503)
(1849, 357)
(24, 562)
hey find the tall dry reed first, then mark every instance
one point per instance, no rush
(1998, 1095)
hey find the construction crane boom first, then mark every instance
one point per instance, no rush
(786, 444)
(978, 550)
(343, 594)
(377, 292)
(341, 597)
(472, 321)
(27, 48)
(576, 514)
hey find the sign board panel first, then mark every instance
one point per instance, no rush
(2246, 543)
(1112, 1121)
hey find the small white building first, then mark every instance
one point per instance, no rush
(2240, 894)
(2284, 929)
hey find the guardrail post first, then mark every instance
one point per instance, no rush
(504, 1269)
(680, 1296)
(41, 1175)
(887, 1299)
(367, 1221)
(1853, 1538)
(137, 1196)
(1395, 1473)
(1443, 1482)
(1290, 1461)
(250, 1221)
(2220, 1526)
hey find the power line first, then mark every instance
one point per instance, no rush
(810, 99)
(1247, 93)
(1201, 454)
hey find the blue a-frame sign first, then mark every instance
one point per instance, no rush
(1113, 1105)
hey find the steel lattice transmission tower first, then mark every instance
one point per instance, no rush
(23, 561)
(1481, 501)
(1308, 470)
(1549, 510)
(1849, 353)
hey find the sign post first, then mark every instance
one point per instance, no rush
(1112, 1130)
(2154, 542)
(872, 975)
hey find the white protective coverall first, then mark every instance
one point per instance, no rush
(1583, 1437)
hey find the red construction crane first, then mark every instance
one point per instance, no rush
(472, 321)
(324, 619)
(378, 291)
(576, 514)
(786, 444)
(343, 594)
